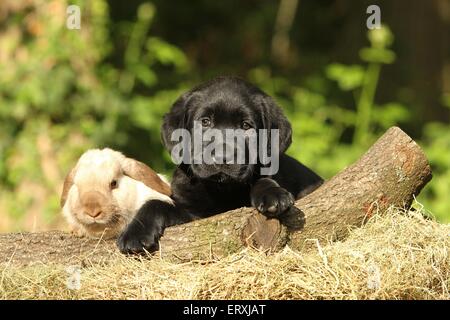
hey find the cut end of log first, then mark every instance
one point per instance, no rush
(390, 174)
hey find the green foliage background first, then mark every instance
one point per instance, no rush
(109, 83)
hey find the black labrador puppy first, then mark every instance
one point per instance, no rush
(204, 188)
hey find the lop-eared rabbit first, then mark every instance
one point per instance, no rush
(104, 191)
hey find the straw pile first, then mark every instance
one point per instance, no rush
(397, 255)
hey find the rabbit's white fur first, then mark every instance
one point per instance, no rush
(92, 175)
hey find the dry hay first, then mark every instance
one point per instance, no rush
(394, 256)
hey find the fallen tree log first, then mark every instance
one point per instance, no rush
(391, 173)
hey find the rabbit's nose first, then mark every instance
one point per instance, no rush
(94, 212)
(93, 203)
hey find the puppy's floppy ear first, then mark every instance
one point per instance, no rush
(68, 182)
(177, 118)
(141, 172)
(273, 118)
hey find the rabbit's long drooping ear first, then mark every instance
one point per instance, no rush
(273, 118)
(177, 118)
(68, 182)
(141, 172)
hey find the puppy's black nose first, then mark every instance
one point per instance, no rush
(223, 154)
(221, 160)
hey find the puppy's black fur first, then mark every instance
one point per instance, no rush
(202, 190)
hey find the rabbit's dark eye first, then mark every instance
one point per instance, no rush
(113, 184)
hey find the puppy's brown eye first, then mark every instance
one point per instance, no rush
(206, 122)
(113, 184)
(246, 125)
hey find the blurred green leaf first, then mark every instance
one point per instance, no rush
(347, 77)
(377, 55)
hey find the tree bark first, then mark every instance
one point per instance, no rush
(391, 173)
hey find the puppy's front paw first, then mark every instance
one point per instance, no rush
(293, 218)
(273, 201)
(136, 239)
